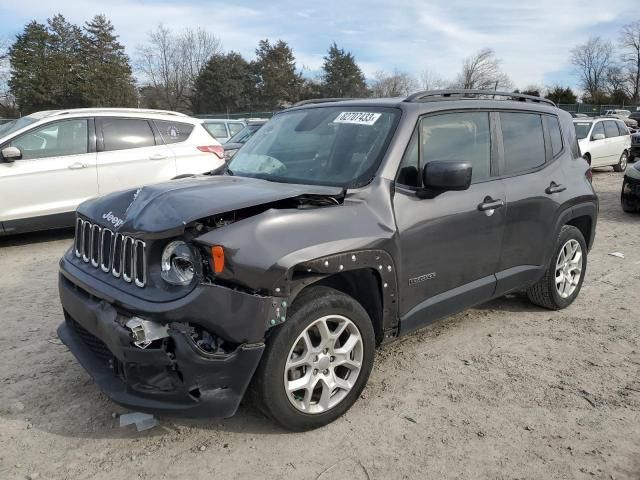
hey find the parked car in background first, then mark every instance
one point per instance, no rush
(634, 151)
(62, 158)
(350, 224)
(623, 115)
(240, 138)
(630, 195)
(604, 142)
(223, 129)
(579, 115)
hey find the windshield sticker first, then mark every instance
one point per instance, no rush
(358, 118)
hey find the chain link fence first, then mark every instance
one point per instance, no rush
(595, 110)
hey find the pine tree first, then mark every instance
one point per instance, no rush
(277, 82)
(65, 63)
(108, 80)
(224, 85)
(28, 59)
(342, 77)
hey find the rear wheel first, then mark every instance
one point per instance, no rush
(317, 363)
(622, 163)
(562, 281)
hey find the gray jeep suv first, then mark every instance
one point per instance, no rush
(340, 226)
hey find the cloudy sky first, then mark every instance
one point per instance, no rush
(532, 37)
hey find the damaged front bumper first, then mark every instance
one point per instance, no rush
(172, 375)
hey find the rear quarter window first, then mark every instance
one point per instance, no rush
(553, 125)
(173, 132)
(523, 140)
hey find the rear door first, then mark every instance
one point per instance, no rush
(56, 173)
(130, 154)
(532, 146)
(614, 142)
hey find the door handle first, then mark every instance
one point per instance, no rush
(555, 188)
(157, 156)
(77, 166)
(489, 205)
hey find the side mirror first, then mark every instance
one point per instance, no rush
(11, 154)
(597, 136)
(443, 176)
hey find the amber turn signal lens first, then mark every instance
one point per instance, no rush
(217, 255)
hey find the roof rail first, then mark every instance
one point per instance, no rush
(320, 100)
(437, 95)
(116, 110)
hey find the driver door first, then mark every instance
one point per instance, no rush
(56, 172)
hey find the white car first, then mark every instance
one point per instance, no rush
(604, 142)
(52, 161)
(223, 129)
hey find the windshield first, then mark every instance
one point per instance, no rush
(339, 146)
(15, 125)
(582, 129)
(243, 135)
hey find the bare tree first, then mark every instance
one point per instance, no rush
(630, 45)
(171, 63)
(482, 71)
(397, 84)
(592, 62)
(430, 80)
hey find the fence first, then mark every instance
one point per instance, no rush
(595, 110)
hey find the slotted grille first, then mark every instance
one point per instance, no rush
(120, 255)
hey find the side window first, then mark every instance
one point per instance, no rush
(523, 140)
(598, 128)
(611, 129)
(458, 137)
(553, 125)
(622, 128)
(409, 172)
(173, 132)
(217, 129)
(126, 133)
(58, 139)
(235, 128)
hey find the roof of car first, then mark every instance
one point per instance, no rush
(128, 112)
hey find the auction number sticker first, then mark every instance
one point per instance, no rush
(358, 118)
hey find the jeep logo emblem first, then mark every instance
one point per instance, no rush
(115, 221)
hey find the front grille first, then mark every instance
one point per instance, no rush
(94, 344)
(122, 256)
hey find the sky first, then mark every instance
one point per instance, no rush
(532, 38)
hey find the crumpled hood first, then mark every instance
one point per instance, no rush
(172, 205)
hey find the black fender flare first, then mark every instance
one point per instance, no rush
(584, 209)
(309, 272)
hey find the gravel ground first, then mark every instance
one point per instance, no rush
(504, 391)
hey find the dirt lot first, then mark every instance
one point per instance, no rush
(506, 390)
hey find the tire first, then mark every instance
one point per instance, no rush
(622, 163)
(545, 292)
(308, 311)
(627, 207)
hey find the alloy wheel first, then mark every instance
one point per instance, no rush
(568, 268)
(323, 364)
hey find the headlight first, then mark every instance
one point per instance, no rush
(178, 265)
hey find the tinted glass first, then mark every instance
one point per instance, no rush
(324, 145)
(218, 130)
(611, 130)
(597, 129)
(243, 135)
(458, 137)
(553, 125)
(173, 132)
(582, 129)
(409, 168)
(235, 128)
(523, 140)
(54, 140)
(622, 128)
(125, 133)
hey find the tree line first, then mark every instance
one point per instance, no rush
(57, 64)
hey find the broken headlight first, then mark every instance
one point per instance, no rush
(178, 264)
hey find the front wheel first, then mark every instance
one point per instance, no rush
(317, 363)
(622, 163)
(563, 278)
